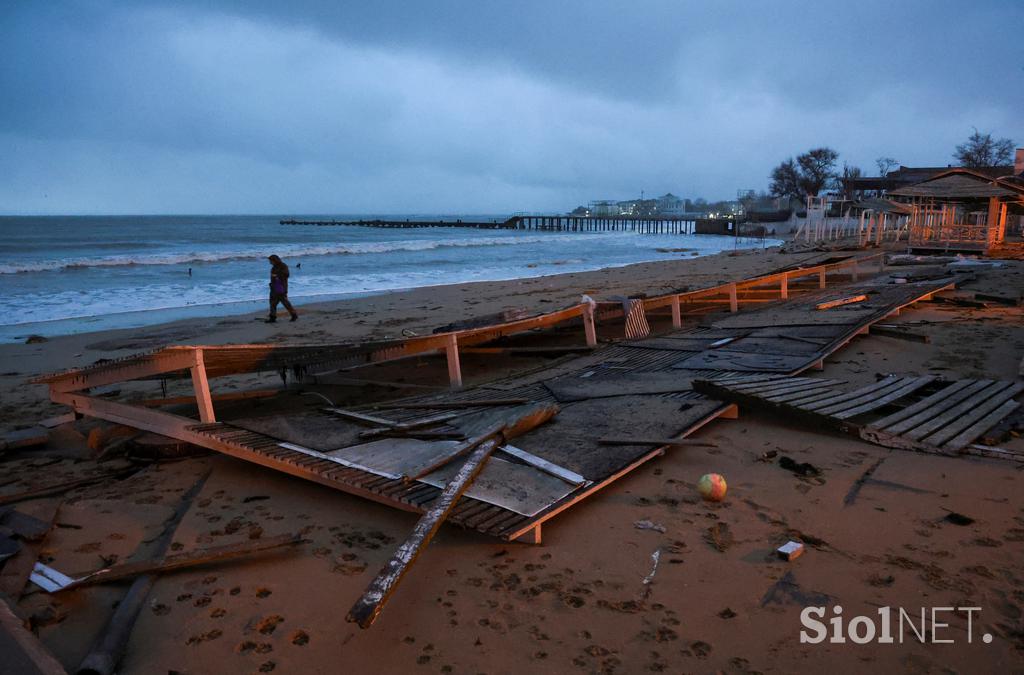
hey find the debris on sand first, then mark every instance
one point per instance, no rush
(648, 525)
(799, 468)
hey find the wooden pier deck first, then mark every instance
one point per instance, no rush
(549, 223)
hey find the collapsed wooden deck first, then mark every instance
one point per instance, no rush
(920, 413)
(611, 392)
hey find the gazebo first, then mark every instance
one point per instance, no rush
(960, 210)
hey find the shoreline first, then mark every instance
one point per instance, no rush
(378, 316)
(209, 298)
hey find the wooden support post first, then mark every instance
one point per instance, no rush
(454, 367)
(784, 287)
(365, 611)
(677, 319)
(734, 303)
(531, 536)
(202, 389)
(821, 277)
(588, 325)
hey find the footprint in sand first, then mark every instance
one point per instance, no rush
(204, 637)
(268, 624)
(300, 638)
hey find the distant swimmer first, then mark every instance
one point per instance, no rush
(190, 271)
(279, 289)
(298, 266)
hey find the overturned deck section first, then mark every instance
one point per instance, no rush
(920, 413)
(402, 453)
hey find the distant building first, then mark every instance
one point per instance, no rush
(670, 205)
(604, 208)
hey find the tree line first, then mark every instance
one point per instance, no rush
(815, 170)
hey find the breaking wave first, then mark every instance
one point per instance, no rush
(286, 251)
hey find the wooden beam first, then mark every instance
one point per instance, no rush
(784, 287)
(677, 320)
(840, 302)
(367, 608)
(733, 300)
(363, 418)
(821, 278)
(22, 651)
(589, 329)
(454, 367)
(170, 360)
(202, 389)
(451, 405)
(177, 561)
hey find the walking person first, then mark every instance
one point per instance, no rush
(279, 288)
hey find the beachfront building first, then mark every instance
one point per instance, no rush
(962, 209)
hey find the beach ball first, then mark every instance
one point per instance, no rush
(712, 487)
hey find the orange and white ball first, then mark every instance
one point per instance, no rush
(712, 487)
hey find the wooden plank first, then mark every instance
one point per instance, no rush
(827, 387)
(840, 302)
(884, 397)
(769, 383)
(201, 388)
(168, 563)
(839, 397)
(362, 418)
(408, 426)
(24, 438)
(454, 367)
(936, 405)
(800, 383)
(533, 460)
(366, 610)
(111, 643)
(957, 411)
(451, 405)
(922, 405)
(979, 427)
(22, 651)
(972, 415)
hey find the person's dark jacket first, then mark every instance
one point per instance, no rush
(279, 278)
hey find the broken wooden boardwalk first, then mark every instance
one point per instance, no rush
(639, 387)
(921, 413)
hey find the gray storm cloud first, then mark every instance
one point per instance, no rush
(246, 108)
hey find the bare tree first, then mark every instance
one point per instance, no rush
(849, 172)
(885, 165)
(983, 150)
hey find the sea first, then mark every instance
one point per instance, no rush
(68, 274)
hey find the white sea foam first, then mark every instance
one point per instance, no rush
(285, 251)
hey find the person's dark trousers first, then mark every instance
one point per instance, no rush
(283, 299)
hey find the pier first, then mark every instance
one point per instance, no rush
(645, 225)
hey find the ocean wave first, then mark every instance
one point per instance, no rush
(286, 251)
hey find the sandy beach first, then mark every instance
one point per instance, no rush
(716, 600)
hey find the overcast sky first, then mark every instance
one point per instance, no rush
(447, 106)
